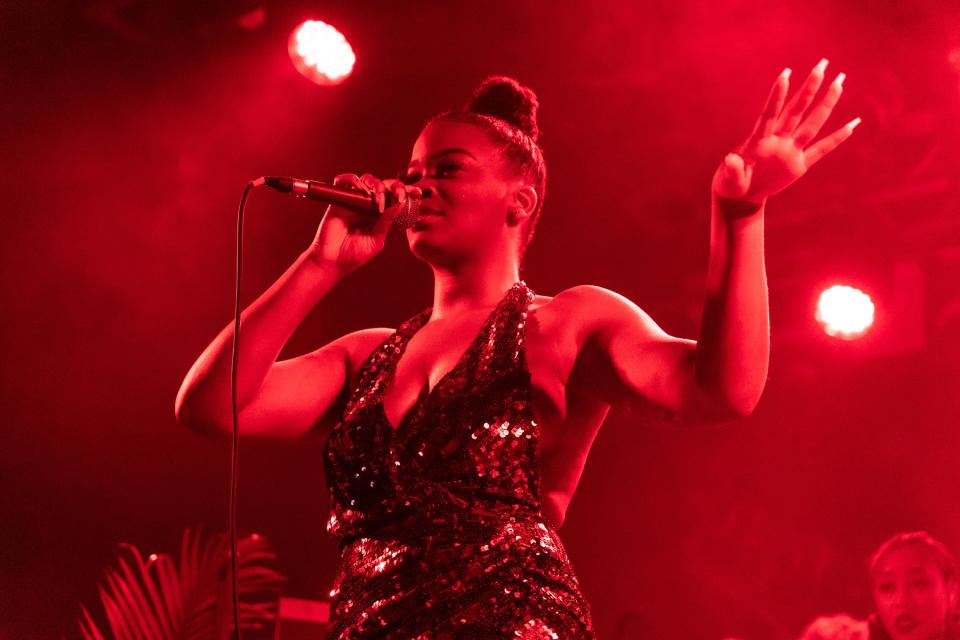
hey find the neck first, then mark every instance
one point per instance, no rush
(471, 286)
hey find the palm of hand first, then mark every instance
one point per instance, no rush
(778, 151)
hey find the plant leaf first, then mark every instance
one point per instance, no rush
(88, 627)
(160, 599)
(146, 614)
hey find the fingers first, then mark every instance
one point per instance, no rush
(399, 192)
(815, 153)
(373, 185)
(801, 100)
(347, 180)
(768, 117)
(400, 197)
(810, 127)
(368, 183)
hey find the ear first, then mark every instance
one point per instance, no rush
(523, 203)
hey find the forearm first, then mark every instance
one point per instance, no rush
(734, 345)
(265, 326)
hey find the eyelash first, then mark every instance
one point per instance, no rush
(442, 168)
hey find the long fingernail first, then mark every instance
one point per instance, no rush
(854, 123)
(785, 74)
(821, 66)
(839, 79)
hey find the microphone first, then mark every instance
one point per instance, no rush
(346, 197)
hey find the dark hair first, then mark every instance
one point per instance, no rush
(507, 110)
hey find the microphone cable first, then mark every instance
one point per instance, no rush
(409, 216)
(235, 442)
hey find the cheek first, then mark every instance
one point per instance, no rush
(931, 609)
(473, 195)
(883, 603)
(886, 607)
(933, 601)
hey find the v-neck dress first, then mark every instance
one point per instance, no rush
(438, 518)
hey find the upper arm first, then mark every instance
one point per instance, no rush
(306, 394)
(629, 361)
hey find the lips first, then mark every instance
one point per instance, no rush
(429, 211)
(905, 623)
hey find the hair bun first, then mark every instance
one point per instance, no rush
(507, 99)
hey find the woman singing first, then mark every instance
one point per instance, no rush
(455, 442)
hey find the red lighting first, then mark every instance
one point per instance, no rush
(321, 53)
(845, 312)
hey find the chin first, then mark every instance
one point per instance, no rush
(427, 249)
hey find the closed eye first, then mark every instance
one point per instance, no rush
(446, 168)
(443, 170)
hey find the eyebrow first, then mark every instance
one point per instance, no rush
(444, 152)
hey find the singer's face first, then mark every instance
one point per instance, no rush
(472, 187)
(911, 595)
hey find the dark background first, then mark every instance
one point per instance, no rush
(129, 129)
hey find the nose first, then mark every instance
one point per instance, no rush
(900, 598)
(426, 184)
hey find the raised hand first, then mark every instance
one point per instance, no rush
(779, 150)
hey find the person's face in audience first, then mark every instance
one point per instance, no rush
(911, 595)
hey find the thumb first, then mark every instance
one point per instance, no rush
(734, 162)
(733, 176)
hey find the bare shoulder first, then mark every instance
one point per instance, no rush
(621, 355)
(364, 341)
(355, 347)
(583, 298)
(589, 309)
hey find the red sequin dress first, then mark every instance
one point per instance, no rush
(438, 520)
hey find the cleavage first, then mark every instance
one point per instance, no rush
(429, 357)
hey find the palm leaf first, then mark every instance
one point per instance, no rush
(156, 599)
(87, 626)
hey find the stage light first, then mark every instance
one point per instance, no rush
(321, 53)
(845, 312)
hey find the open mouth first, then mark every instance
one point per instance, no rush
(905, 623)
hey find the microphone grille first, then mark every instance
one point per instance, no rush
(409, 214)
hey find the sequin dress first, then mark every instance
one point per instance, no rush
(438, 519)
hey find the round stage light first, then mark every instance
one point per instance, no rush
(845, 312)
(321, 53)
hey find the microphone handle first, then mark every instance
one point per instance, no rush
(352, 199)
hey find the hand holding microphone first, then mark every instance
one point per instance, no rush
(360, 212)
(365, 195)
